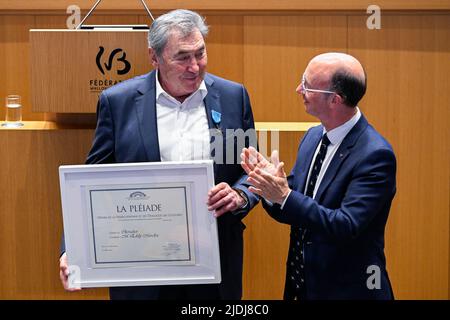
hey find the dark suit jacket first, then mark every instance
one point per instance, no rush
(127, 132)
(345, 222)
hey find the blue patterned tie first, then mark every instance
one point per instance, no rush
(317, 166)
(296, 266)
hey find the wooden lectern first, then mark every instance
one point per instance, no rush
(69, 68)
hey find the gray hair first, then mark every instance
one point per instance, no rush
(184, 21)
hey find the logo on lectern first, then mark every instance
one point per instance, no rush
(108, 66)
(117, 57)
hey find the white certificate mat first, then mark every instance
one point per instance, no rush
(139, 224)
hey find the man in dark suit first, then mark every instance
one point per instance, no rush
(172, 114)
(339, 193)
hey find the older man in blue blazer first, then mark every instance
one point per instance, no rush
(338, 195)
(172, 114)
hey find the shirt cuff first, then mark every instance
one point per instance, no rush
(282, 205)
(285, 199)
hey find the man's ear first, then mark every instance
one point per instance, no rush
(338, 99)
(153, 58)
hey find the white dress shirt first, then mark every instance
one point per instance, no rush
(336, 136)
(183, 131)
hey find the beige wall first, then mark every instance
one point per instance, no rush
(407, 62)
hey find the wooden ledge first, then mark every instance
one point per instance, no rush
(285, 126)
(43, 125)
(260, 126)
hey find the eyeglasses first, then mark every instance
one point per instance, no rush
(303, 88)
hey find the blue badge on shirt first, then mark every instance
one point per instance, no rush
(216, 116)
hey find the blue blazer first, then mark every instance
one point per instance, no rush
(127, 132)
(345, 222)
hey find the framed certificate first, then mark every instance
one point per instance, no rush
(136, 224)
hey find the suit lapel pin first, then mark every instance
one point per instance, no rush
(216, 117)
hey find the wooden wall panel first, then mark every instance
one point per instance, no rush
(225, 46)
(266, 241)
(229, 4)
(31, 219)
(276, 52)
(15, 62)
(59, 21)
(407, 62)
(112, 19)
(50, 22)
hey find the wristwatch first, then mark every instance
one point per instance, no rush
(243, 196)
